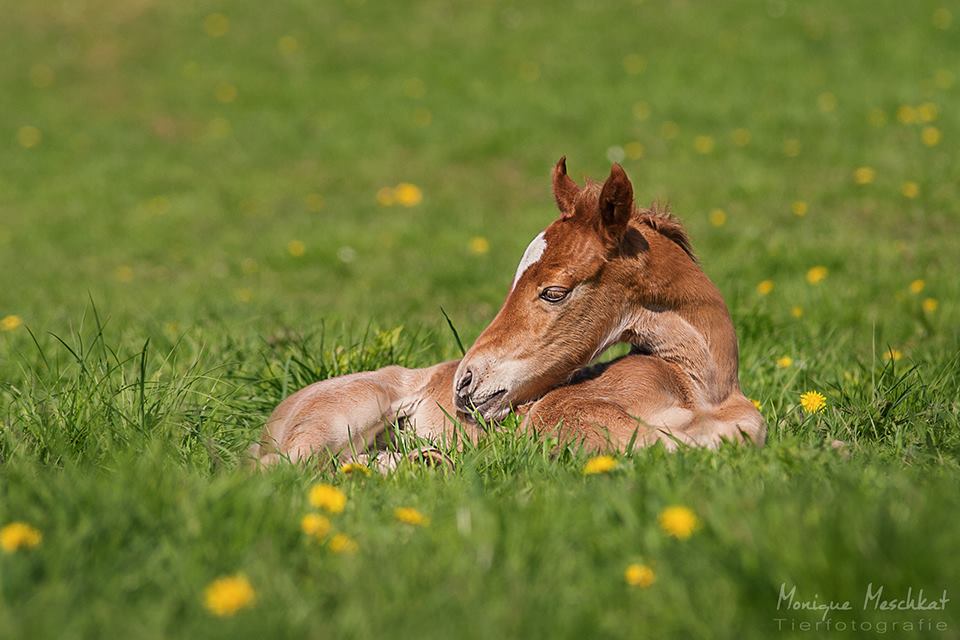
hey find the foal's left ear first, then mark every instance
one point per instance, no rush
(616, 204)
(565, 190)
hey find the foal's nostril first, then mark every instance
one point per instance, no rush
(463, 384)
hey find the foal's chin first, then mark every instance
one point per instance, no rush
(495, 411)
(500, 408)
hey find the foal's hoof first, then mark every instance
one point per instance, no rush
(431, 457)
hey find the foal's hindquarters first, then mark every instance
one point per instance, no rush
(637, 400)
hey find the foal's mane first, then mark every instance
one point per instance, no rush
(658, 217)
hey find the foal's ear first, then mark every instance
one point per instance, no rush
(616, 204)
(565, 190)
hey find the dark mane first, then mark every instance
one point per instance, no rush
(659, 218)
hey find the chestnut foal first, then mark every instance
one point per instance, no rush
(604, 272)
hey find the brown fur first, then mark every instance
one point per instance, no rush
(630, 275)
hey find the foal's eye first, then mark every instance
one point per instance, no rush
(554, 294)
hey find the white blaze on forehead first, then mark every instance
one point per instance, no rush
(531, 256)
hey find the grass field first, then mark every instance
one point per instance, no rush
(196, 219)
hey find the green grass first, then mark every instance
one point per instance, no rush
(143, 243)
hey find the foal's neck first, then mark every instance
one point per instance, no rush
(690, 328)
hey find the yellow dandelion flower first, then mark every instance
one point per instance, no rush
(386, 197)
(41, 76)
(355, 467)
(10, 322)
(910, 189)
(813, 401)
(219, 128)
(930, 136)
(243, 295)
(718, 217)
(765, 287)
(216, 25)
(328, 498)
(917, 286)
(288, 45)
(414, 88)
(529, 71)
(799, 208)
(756, 403)
(784, 362)
(19, 535)
(633, 150)
(315, 525)
(741, 137)
(225, 92)
(123, 273)
(639, 575)
(157, 205)
(791, 147)
(408, 195)
(249, 265)
(190, 69)
(409, 515)
(703, 144)
(600, 464)
(669, 130)
(864, 175)
(296, 248)
(342, 543)
(942, 18)
(906, 114)
(314, 202)
(29, 136)
(227, 595)
(641, 110)
(927, 112)
(478, 245)
(796, 312)
(634, 64)
(930, 305)
(893, 354)
(943, 78)
(679, 522)
(816, 275)
(422, 117)
(876, 117)
(827, 102)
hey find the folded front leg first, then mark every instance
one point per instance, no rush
(346, 413)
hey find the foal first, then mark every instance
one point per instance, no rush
(604, 272)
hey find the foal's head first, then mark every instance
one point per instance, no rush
(577, 291)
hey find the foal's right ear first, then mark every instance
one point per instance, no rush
(565, 190)
(616, 204)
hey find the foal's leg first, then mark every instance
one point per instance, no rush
(599, 425)
(346, 413)
(639, 399)
(736, 419)
(609, 405)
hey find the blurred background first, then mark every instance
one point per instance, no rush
(250, 166)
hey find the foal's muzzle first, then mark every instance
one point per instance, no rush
(470, 397)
